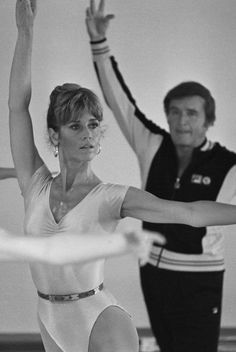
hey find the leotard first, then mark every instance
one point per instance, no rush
(70, 324)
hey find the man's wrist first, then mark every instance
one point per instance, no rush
(25, 32)
(100, 48)
(98, 40)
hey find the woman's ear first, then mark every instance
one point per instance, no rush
(54, 136)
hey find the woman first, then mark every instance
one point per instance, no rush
(77, 201)
(7, 172)
(70, 248)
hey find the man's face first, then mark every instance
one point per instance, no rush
(187, 121)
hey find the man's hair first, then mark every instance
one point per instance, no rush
(189, 89)
(68, 102)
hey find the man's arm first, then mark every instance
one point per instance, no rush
(140, 132)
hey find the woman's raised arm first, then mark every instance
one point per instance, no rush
(145, 206)
(25, 154)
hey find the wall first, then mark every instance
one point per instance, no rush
(158, 43)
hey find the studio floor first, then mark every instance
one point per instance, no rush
(32, 342)
(227, 341)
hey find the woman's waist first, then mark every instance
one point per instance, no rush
(65, 281)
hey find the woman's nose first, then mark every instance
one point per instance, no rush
(87, 134)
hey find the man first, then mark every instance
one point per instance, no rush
(182, 284)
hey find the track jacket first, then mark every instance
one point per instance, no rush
(210, 176)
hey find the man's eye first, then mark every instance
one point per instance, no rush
(174, 112)
(192, 113)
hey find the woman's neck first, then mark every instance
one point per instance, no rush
(81, 174)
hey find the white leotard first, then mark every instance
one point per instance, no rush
(70, 324)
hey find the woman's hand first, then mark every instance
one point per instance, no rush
(96, 21)
(140, 242)
(25, 13)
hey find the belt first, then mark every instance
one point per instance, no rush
(70, 297)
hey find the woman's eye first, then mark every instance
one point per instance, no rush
(93, 125)
(74, 127)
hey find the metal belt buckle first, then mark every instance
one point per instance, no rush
(96, 290)
(72, 297)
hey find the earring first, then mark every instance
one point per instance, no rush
(99, 149)
(55, 151)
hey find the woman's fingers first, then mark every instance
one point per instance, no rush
(156, 237)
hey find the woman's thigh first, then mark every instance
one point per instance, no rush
(49, 344)
(114, 331)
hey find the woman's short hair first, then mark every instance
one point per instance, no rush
(189, 89)
(68, 102)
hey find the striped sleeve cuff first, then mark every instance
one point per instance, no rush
(100, 48)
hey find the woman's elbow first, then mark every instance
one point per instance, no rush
(194, 217)
(18, 104)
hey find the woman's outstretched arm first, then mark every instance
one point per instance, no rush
(25, 154)
(7, 172)
(75, 248)
(145, 206)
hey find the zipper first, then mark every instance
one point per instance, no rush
(176, 187)
(177, 183)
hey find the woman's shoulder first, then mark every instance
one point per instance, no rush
(113, 187)
(113, 193)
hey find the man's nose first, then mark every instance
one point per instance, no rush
(183, 118)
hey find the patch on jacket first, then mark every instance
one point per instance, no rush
(200, 179)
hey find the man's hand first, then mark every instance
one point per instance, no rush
(96, 21)
(25, 13)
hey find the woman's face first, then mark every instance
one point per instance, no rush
(79, 140)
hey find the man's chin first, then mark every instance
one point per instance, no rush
(182, 142)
